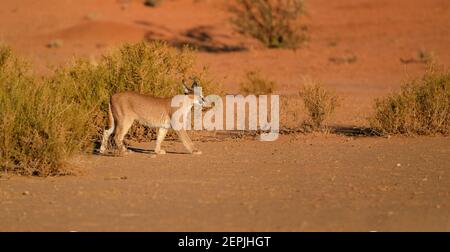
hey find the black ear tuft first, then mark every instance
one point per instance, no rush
(195, 84)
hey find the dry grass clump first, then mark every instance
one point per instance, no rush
(152, 3)
(272, 22)
(39, 128)
(422, 107)
(319, 103)
(292, 115)
(256, 84)
(47, 120)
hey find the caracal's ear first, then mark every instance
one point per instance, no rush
(195, 84)
(186, 90)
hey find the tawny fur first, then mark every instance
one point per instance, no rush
(127, 107)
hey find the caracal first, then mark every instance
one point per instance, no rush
(127, 107)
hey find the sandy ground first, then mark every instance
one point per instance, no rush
(296, 184)
(322, 182)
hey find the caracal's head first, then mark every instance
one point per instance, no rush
(194, 92)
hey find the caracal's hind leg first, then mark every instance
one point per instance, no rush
(188, 144)
(122, 128)
(160, 138)
(107, 133)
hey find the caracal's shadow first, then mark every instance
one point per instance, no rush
(152, 152)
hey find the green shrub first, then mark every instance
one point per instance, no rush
(38, 127)
(256, 84)
(422, 107)
(273, 22)
(151, 68)
(47, 120)
(319, 103)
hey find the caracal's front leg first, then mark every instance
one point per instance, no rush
(160, 138)
(184, 137)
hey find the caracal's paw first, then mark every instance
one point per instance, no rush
(197, 152)
(160, 152)
(122, 152)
